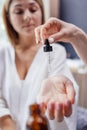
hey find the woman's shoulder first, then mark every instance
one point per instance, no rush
(5, 50)
(2, 49)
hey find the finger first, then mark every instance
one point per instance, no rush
(59, 112)
(70, 91)
(48, 29)
(67, 109)
(43, 107)
(56, 37)
(37, 34)
(47, 25)
(51, 110)
(43, 34)
(53, 22)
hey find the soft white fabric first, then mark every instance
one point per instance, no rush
(16, 95)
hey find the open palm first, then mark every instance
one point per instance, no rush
(57, 93)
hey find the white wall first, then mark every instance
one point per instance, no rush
(47, 8)
(54, 8)
(51, 8)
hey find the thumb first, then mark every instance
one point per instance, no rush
(56, 37)
(70, 92)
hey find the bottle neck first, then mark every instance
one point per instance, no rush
(34, 109)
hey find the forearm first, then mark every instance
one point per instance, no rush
(79, 43)
(6, 123)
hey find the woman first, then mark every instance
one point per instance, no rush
(24, 66)
(58, 30)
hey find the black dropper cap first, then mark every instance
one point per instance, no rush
(47, 47)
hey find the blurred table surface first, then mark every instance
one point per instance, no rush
(79, 71)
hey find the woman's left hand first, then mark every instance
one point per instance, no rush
(56, 97)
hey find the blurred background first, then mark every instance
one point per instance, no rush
(73, 11)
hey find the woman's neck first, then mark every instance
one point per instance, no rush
(26, 42)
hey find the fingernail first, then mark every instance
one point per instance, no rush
(67, 103)
(51, 106)
(42, 41)
(58, 107)
(36, 41)
(51, 40)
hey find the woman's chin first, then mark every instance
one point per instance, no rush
(29, 33)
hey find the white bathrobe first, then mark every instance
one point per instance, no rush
(16, 95)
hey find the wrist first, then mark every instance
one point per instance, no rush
(79, 36)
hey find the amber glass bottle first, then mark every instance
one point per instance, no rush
(37, 121)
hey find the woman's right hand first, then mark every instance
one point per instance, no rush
(6, 123)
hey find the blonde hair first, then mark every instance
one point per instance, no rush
(12, 34)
